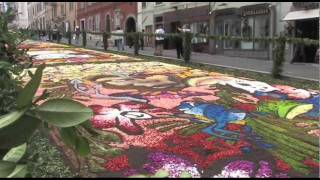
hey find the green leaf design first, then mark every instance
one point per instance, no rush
(161, 174)
(138, 176)
(4, 64)
(19, 172)
(185, 174)
(16, 153)
(63, 112)
(6, 168)
(10, 118)
(82, 146)
(69, 136)
(18, 132)
(27, 93)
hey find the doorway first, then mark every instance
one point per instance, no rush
(82, 25)
(308, 29)
(173, 29)
(130, 27)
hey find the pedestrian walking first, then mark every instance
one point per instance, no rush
(77, 31)
(142, 40)
(159, 40)
(179, 43)
(119, 39)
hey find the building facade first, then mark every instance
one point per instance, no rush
(171, 15)
(246, 19)
(21, 18)
(106, 17)
(36, 15)
(302, 21)
(61, 16)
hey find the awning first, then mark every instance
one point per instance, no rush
(305, 14)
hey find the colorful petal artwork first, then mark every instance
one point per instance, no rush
(151, 116)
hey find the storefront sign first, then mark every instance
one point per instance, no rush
(305, 5)
(255, 12)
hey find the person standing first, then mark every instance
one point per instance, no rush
(179, 43)
(142, 40)
(77, 31)
(119, 39)
(159, 41)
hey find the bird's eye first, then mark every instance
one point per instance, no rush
(135, 115)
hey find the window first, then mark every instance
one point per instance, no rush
(54, 11)
(199, 28)
(247, 32)
(144, 4)
(227, 32)
(70, 6)
(158, 3)
(158, 19)
(261, 30)
(97, 23)
(108, 27)
(62, 9)
(117, 18)
(255, 26)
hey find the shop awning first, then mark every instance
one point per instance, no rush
(305, 14)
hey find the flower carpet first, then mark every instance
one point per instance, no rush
(152, 116)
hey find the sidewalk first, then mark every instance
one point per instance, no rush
(305, 71)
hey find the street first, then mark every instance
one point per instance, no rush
(152, 116)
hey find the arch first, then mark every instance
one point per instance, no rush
(130, 26)
(130, 19)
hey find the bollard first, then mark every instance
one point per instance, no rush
(84, 38)
(136, 43)
(187, 37)
(58, 36)
(69, 34)
(105, 41)
(50, 36)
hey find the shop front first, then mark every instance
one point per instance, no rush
(248, 21)
(304, 17)
(197, 19)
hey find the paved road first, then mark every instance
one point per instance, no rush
(306, 71)
(150, 115)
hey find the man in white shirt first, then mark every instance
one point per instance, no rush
(159, 41)
(119, 39)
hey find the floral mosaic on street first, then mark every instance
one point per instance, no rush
(152, 116)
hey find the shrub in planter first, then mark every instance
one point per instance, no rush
(187, 46)
(105, 37)
(279, 57)
(136, 43)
